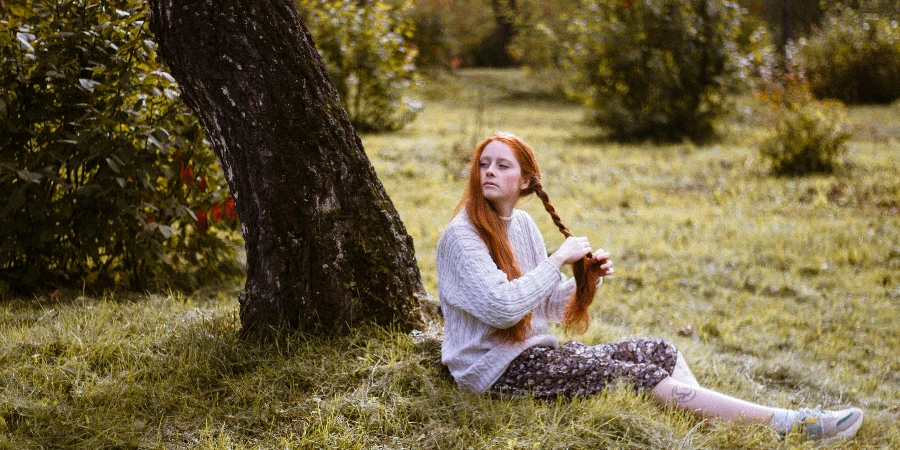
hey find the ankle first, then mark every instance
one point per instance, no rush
(783, 420)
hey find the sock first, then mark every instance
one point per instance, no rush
(783, 420)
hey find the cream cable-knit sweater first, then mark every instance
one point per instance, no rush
(476, 298)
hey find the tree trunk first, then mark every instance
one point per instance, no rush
(787, 23)
(326, 249)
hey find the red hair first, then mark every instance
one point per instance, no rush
(493, 232)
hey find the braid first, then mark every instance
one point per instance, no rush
(538, 189)
(586, 271)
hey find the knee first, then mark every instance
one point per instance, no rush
(662, 391)
(662, 345)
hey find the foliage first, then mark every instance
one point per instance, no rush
(366, 49)
(431, 39)
(659, 69)
(450, 33)
(759, 54)
(542, 29)
(853, 57)
(803, 16)
(882, 7)
(105, 176)
(809, 136)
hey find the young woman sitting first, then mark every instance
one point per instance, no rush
(499, 291)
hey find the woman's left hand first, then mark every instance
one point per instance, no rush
(606, 265)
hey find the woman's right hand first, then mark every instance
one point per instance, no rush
(573, 249)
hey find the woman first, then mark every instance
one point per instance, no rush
(499, 290)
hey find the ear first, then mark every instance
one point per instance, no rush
(524, 185)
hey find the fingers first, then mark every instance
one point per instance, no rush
(603, 256)
(573, 249)
(580, 244)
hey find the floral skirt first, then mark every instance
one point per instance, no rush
(576, 369)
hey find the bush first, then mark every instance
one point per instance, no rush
(370, 62)
(659, 69)
(854, 57)
(810, 136)
(541, 29)
(105, 176)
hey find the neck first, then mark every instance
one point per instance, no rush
(503, 210)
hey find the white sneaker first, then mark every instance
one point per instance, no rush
(822, 425)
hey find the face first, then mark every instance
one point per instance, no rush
(501, 176)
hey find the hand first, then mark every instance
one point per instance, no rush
(606, 266)
(573, 249)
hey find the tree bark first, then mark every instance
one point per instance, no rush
(787, 23)
(326, 250)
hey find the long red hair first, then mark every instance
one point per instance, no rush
(493, 232)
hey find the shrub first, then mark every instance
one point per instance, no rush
(809, 136)
(853, 57)
(541, 29)
(105, 176)
(659, 69)
(370, 62)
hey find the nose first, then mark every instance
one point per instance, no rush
(489, 170)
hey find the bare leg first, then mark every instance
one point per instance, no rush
(708, 403)
(683, 373)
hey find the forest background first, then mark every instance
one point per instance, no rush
(763, 243)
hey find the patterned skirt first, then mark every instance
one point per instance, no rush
(576, 369)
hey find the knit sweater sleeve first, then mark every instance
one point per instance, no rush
(473, 282)
(563, 289)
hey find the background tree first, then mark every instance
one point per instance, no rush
(449, 33)
(325, 246)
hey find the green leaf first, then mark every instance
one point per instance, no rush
(25, 41)
(89, 190)
(18, 10)
(167, 231)
(113, 165)
(31, 177)
(88, 85)
(155, 143)
(183, 212)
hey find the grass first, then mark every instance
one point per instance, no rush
(778, 290)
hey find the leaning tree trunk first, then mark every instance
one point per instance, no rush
(326, 249)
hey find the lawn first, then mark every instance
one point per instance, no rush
(783, 291)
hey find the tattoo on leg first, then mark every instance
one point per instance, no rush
(683, 394)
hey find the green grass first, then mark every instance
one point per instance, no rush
(778, 290)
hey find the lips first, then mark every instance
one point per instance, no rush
(489, 184)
